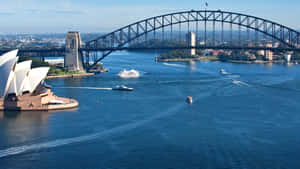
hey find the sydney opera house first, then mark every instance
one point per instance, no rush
(23, 88)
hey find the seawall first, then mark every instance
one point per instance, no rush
(70, 75)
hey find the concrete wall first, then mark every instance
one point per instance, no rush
(73, 58)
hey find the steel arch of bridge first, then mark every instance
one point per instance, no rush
(117, 39)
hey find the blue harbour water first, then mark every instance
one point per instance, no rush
(252, 122)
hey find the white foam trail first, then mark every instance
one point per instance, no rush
(89, 88)
(239, 83)
(225, 73)
(234, 76)
(101, 135)
(126, 74)
(195, 81)
(174, 65)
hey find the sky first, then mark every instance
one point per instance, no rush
(58, 16)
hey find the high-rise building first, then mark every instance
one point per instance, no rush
(269, 54)
(288, 57)
(191, 42)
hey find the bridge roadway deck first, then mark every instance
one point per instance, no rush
(46, 51)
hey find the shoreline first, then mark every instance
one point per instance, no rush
(69, 75)
(71, 104)
(229, 61)
(187, 59)
(257, 62)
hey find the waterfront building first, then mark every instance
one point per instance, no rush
(268, 54)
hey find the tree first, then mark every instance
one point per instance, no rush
(224, 57)
(36, 62)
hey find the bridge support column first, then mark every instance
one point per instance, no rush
(73, 58)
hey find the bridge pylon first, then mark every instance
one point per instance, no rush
(73, 59)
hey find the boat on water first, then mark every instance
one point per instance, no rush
(223, 72)
(122, 88)
(189, 100)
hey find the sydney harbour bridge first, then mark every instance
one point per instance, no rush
(214, 29)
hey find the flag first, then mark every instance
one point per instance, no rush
(206, 4)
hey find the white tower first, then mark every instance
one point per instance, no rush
(288, 57)
(191, 42)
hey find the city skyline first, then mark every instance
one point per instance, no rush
(32, 16)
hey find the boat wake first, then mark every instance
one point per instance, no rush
(101, 135)
(226, 73)
(240, 83)
(126, 74)
(201, 81)
(88, 88)
(174, 65)
(234, 76)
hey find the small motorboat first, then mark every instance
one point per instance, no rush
(223, 72)
(189, 100)
(122, 88)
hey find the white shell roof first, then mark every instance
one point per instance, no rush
(6, 66)
(18, 78)
(35, 77)
(11, 83)
(7, 56)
